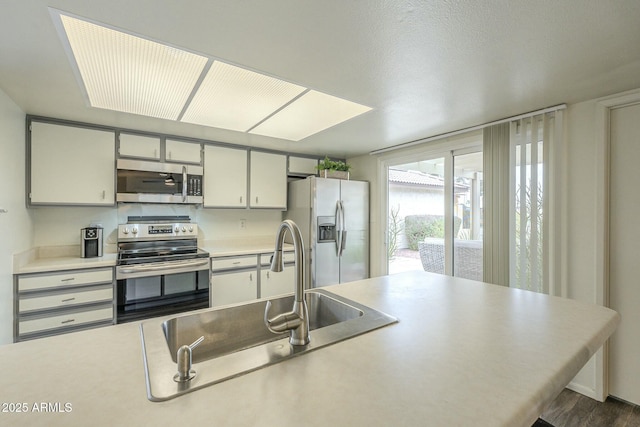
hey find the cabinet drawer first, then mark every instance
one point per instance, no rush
(233, 262)
(49, 281)
(287, 258)
(67, 299)
(65, 320)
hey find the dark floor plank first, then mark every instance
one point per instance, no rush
(571, 409)
(559, 409)
(634, 418)
(613, 413)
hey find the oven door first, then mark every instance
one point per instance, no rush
(163, 288)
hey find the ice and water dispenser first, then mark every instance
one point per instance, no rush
(326, 229)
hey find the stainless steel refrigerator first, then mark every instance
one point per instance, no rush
(333, 216)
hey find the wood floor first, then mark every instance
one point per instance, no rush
(571, 409)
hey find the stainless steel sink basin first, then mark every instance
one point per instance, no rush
(236, 340)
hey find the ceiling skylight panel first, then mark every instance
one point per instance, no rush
(311, 113)
(234, 98)
(126, 73)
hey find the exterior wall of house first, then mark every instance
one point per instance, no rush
(15, 224)
(414, 200)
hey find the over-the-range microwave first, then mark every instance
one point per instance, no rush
(154, 182)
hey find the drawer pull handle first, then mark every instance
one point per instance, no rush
(68, 321)
(68, 299)
(68, 280)
(236, 263)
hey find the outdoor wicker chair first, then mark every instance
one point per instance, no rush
(468, 257)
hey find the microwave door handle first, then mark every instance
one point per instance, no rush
(184, 184)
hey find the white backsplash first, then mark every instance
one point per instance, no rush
(54, 226)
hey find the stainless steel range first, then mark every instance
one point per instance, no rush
(160, 269)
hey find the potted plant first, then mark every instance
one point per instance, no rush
(333, 168)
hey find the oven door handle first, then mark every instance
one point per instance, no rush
(167, 267)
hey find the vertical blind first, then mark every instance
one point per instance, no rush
(517, 240)
(496, 166)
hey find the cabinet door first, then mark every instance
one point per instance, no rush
(225, 177)
(183, 152)
(272, 284)
(146, 147)
(268, 182)
(231, 288)
(71, 165)
(302, 166)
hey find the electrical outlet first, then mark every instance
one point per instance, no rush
(243, 223)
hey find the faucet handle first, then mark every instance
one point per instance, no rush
(185, 360)
(282, 322)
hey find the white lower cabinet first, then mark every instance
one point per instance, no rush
(60, 302)
(231, 288)
(272, 284)
(247, 278)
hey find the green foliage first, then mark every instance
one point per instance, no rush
(419, 227)
(395, 228)
(336, 165)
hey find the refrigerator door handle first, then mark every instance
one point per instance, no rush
(342, 233)
(338, 228)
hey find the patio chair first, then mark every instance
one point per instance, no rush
(468, 257)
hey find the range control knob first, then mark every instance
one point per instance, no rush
(126, 231)
(184, 229)
(190, 229)
(177, 229)
(134, 231)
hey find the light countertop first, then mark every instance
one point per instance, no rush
(463, 353)
(59, 258)
(238, 247)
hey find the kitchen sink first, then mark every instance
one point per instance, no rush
(236, 340)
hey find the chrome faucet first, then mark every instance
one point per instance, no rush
(297, 320)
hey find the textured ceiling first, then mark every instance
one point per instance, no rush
(426, 67)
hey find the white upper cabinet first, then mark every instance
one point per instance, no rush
(71, 165)
(144, 147)
(268, 180)
(182, 152)
(225, 177)
(302, 166)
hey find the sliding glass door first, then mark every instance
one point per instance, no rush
(435, 214)
(416, 216)
(467, 215)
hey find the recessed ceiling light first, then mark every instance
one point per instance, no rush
(235, 98)
(311, 113)
(127, 73)
(124, 72)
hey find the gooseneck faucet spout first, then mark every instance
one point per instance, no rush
(297, 320)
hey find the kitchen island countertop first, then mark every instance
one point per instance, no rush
(463, 353)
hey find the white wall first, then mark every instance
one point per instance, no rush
(367, 168)
(15, 225)
(581, 157)
(54, 226)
